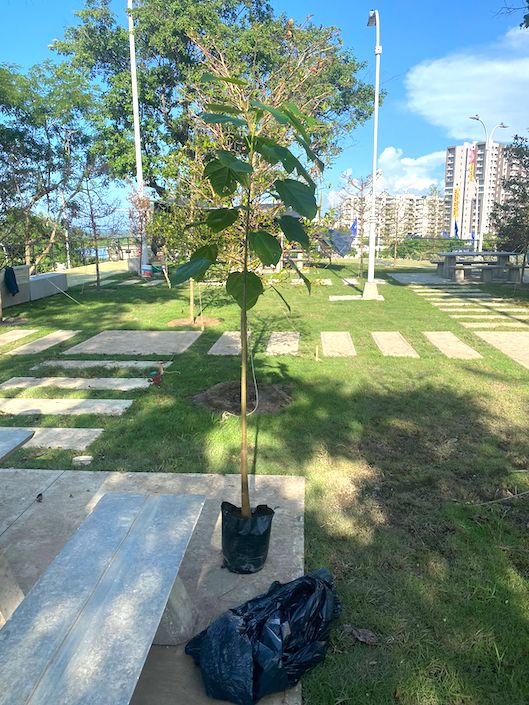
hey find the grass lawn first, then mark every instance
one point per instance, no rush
(398, 454)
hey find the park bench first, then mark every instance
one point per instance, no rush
(83, 632)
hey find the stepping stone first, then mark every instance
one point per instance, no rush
(13, 335)
(12, 438)
(455, 297)
(296, 282)
(155, 282)
(283, 343)
(62, 438)
(446, 304)
(229, 343)
(47, 341)
(485, 316)
(323, 282)
(513, 344)
(136, 342)
(129, 282)
(459, 308)
(350, 281)
(393, 344)
(346, 297)
(104, 364)
(451, 346)
(497, 324)
(115, 384)
(64, 407)
(337, 344)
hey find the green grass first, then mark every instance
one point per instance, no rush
(396, 453)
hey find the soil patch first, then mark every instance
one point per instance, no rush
(226, 396)
(204, 321)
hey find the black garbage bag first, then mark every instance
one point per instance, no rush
(267, 644)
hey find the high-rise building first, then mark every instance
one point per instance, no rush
(398, 216)
(473, 184)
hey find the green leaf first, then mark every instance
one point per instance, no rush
(295, 122)
(274, 153)
(222, 108)
(221, 218)
(208, 252)
(294, 230)
(265, 246)
(230, 160)
(299, 196)
(282, 298)
(222, 179)
(305, 280)
(220, 119)
(235, 286)
(194, 269)
(279, 115)
(310, 153)
(208, 77)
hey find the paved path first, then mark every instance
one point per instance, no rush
(337, 344)
(513, 344)
(393, 344)
(229, 343)
(64, 407)
(41, 344)
(136, 342)
(114, 384)
(283, 343)
(13, 335)
(451, 346)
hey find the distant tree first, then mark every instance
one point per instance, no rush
(509, 9)
(511, 218)
(358, 189)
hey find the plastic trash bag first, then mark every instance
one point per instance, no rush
(265, 645)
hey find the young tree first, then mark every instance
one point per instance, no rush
(511, 218)
(358, 190)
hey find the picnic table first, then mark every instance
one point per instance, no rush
(459, 265)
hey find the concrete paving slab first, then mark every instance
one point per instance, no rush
(130, 282)
(229, 343)
(34, 534)
(513, 344)
(41, 344)
(452, 297)
(492, 314)
(448, 304)
(460, 308)
(337, 344)
(136, 342)
(297, 282)
(393, 344)
(419, 278)
(63, 438)
(105, 364)
(13, 438)
(323, 282)
(494, 324)
(13, 335)
(105, 282)
(451, 346)
(155, 282)
(115, 384)
(64, 407)
(283, 343)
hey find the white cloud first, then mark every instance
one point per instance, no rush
(404, 174)
(492, 81)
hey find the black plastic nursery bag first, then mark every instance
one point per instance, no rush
(267, 644)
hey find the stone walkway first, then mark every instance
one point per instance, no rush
(114, 384)
(41, 344)
(63, 407)
(451, 346)
(337, 344)
(513, 344)
(393, 344)
(136, 342)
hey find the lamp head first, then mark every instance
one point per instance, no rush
(372, 20)
(474, 117)
(503, 126)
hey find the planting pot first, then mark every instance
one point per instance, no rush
(245, 540)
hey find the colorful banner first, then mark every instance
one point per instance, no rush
(472, 164)
(455, 203)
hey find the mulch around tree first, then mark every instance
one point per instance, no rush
(226, 397)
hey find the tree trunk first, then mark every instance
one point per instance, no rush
(46, 250)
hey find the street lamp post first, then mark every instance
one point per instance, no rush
(488, 142)
(370, 287)
(137, 136)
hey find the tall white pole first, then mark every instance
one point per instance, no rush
(370, 289)
(137, 133)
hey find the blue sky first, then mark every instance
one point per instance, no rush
(441, 62)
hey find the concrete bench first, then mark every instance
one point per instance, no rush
(82, 634)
